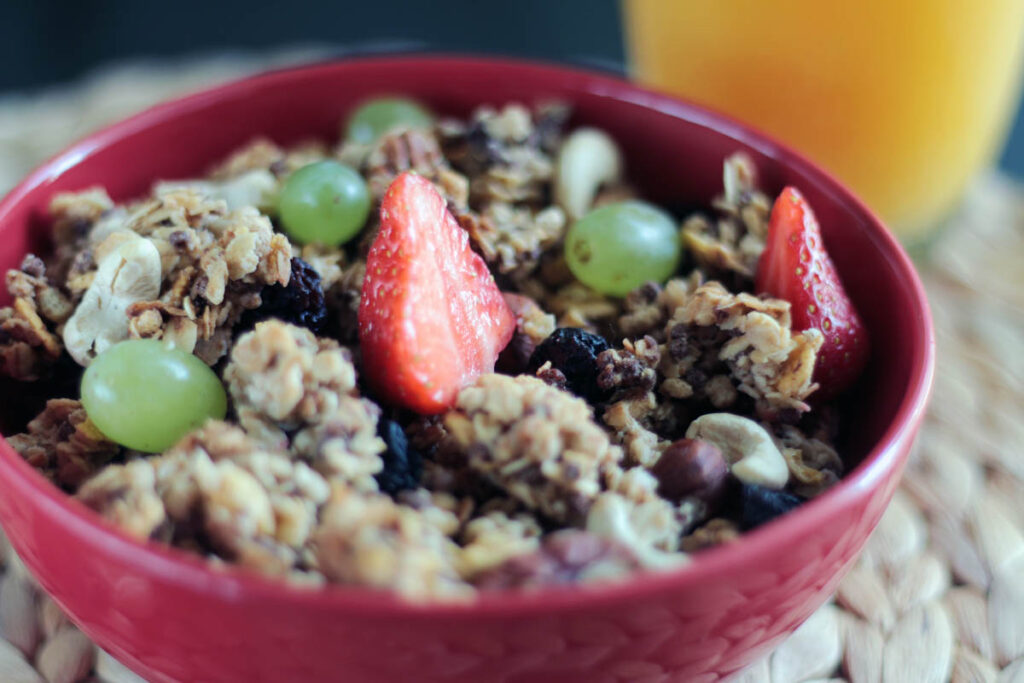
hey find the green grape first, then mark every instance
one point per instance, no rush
(618, 247)
(324, 202)
(146, 395)
(376, 117)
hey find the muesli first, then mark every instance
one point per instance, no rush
(440, 357)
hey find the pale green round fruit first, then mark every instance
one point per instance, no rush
(146, 395)
(378, 116)
(618, 247)
(324, 202)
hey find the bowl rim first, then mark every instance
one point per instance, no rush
(231, 583)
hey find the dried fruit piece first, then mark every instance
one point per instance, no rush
(760, 504)
(402, 465)
(573, 352)
(300, 302)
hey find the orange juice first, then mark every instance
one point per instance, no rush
(903, 99)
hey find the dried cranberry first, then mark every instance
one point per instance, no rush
(573, 352)
(300, 302)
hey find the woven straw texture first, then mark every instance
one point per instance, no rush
(938, 594)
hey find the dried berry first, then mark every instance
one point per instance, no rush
(691, 467)
(760, 504)
(300, 302)
(402, 465)
(573, 352)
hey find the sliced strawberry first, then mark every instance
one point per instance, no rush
(431, 318)
(796, 267)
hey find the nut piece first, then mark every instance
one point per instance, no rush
(129, 272)
(690, 467)
(588, 159)
(747, 447)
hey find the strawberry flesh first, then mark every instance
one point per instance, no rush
(796, 267)
(431, 318)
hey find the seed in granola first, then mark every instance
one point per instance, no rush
(300, 302)
(402, 465)
(691, 467)
(573, 352)
(760, 504)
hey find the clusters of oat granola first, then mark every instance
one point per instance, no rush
(29, 344)
(520, 484)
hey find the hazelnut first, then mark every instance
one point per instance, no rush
(691, 467)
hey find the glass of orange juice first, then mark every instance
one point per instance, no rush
(904, 100)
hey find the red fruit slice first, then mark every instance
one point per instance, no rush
(796, 267)
(431, 318)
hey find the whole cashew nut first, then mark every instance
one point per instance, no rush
(587, 159)
(129, 272)
(750, 451)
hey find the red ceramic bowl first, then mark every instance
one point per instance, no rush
(170, 617)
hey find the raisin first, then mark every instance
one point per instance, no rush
(300, 302)
(759, 504)
(402, 465)
(573, 352)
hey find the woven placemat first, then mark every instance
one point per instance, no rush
(937, 595)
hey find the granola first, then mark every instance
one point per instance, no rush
(508, 156)
(63, 443)
(733, 243)
(748, 340)
(534, 441)
(567, 556)
(491, 539)
(412, 150)
(282, 377)
(211, 264)
(373, 541)
(520, 483)
(29, 344)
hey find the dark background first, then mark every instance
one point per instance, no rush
(50, 41)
